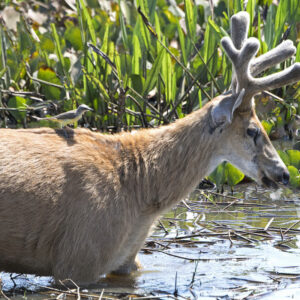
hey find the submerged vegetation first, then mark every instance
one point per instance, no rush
(137, 63)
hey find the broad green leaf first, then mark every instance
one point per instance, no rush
(267, 126)
(233, 175)
(47, 74)
(294, 156)
(218, 176)
(73, 35)
(153, 73)
(20, 103)
(294, 176)
(285, 157)
(47, 44)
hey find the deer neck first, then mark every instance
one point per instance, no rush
(179, 156)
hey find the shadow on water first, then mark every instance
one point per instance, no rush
(240, 246)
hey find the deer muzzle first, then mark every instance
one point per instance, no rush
(282, 177)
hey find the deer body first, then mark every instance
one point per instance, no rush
(90, 200)
(81, 205)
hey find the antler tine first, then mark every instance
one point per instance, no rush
(239, 33)
(239, 28)
(241, 60)
(287, 76)
(273, 57)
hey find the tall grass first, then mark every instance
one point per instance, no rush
(155, 66)
(138, 63)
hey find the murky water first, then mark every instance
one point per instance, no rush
(245, 246)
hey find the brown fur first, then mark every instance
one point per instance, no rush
(82, 206)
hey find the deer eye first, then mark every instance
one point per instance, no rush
(253, 132)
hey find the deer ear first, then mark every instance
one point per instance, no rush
(222, 111)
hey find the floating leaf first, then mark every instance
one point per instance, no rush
(294, 176)
(233, 175)
(285, 157)
(294, 156)
(267, 126)
(218, 175)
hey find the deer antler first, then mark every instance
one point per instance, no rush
(239, 33)
(273, 57)
(241, 51)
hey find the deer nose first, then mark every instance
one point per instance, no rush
(285, 177)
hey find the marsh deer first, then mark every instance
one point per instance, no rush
(82, 206)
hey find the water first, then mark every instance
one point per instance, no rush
(212, 247)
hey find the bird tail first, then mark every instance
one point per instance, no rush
(41, 119)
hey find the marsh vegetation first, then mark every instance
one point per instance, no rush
(143, 64)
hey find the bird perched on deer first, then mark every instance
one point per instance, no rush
(69, 117)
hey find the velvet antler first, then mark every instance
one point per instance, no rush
(241, 51)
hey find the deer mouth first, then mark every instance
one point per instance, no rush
(283, 178)
(269, 182)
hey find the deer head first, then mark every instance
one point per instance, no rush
(244, 136)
